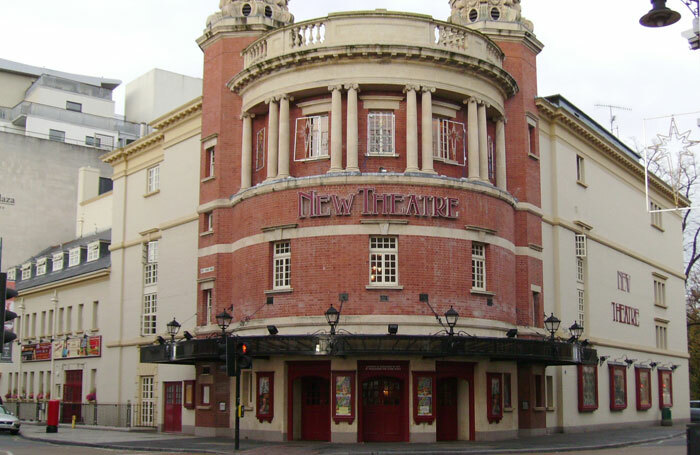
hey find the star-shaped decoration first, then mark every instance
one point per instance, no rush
(674, 149)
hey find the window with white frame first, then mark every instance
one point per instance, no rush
(12, 274)
(580, 274)
(478, 267)
(57, 262)
(93, 251)
(580, 244)
(581, 306)
(150, 270)
(449, 140)
(147, 401)
(209, 222)
(380, 133)
(41, 266)
(659, 292)
(150, 307)
(580, 169)
(153, 179)
(210, 162)
(311, 137)
(656, 218)
(209, 305)
(661, 334)
(282, 265)
(383, 261)
(26, 271)
(73, 257)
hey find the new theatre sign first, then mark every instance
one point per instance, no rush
(315, 205)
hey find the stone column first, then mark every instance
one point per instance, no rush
(283, 158)
(272, 138)
(247, 151)
(483, 144)
(427, 130)
(501, 153)
(352, 134)
(336, 129)
(411, 128)
(473, 139)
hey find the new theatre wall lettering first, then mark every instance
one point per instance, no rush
(625, 314)
(315, 205)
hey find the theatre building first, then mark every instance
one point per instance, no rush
(395, 220)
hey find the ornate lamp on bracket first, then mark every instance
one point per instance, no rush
(332, 317)
(173, 328)
(451, 316)
(552, 325)
(223, 320)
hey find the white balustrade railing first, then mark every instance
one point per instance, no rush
(257, 51)
(451, 37)
(308, 34)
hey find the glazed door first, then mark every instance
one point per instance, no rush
(316, 409)
(72, 396)
(382, 415)
(447, 393)
(172, 415)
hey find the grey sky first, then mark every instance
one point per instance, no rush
(595, 50)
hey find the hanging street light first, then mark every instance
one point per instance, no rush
(662, 16)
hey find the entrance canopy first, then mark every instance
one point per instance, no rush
(543, 352)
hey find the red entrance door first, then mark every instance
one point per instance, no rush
(316, 410)
(172, 415)
(72, 396)
(382, 410)
(447, 419)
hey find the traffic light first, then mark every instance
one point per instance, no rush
(244, 361)
(6, 315)
(238, 356)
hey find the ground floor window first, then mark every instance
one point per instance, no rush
(146, 412)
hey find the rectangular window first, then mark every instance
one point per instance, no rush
(380, 133)
(56, 135)
(95, 307)
(536, 310)
(311, 138)
(383, 261)
(581, 306)
(81, 307)
(73, 257)
(26, 271)
(587, 388)
(73, 106)
(260, 149)
(61, 312)
(147, 401)
(43, 324)
(148, 324)
(41, 267)
(656, 215)
(507, 393)
(150, 270)
(550, 391)
(618, 387)
(580, 275)
(665, 389)
(57, 262)
(449, 141)
(282, 265)
(580, 170)
(208, 305)
(93, 251)
(69, 319)
(623, 282)
(661, 335)
(92, 141)
(50, 324)
(209, 168)
(104, 141)
(659, 292)
(643, 386)
(208, 222)
(153, 180)
(531, 136)
(478, 267)
(581, 245)
(12, 274)
(33, 325)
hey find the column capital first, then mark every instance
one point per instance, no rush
(246, 115)
(355, 87)
(426, 89)
(333, 88)
(272, 99)
(470, 99)
(284, 96)
(411, 88)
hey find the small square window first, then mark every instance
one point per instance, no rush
(73, 257)
(41, 267)
(26, 271)
(57, 262)
(93, 251)
(56, 135)
(73, 106)
(12, 274)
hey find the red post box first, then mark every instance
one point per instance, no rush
(52, 417)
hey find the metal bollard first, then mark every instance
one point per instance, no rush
(73, 424)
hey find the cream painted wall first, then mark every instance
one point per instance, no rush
(13, 87)
(158, 92)
(57, 98)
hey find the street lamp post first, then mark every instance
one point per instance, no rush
(332, 316)
(451, 317)
(552, 325)
(223, 320)
(576, 330)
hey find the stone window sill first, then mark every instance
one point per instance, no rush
(152, 193)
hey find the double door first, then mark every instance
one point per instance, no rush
(72, 396)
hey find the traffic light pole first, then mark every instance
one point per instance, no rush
(3, 292)
(238, 407)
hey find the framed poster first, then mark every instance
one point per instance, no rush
(587, 388)
(665, 388)
(343, 396)
(494, 397)
(507, 394)
(424, 396)
(189, 398)
(206, 395)
(618, 387)
(643, 386)
(265, 409)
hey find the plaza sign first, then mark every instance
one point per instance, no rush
(315, 205)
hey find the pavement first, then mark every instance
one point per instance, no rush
(141, 441)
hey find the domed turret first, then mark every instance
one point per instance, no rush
(243, 12)
(472, 12)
